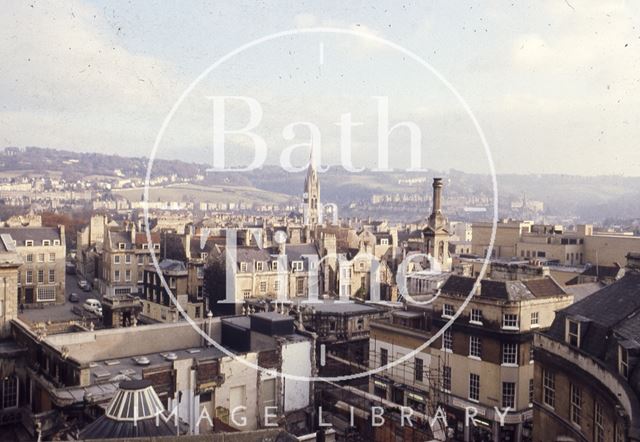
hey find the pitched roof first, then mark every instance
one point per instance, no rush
(504, 290)
(295, 252)
(36, 234)
(612, 304)
(250, 254)
(544, 287)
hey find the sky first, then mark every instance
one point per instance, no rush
(554, 85)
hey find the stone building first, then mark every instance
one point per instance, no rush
(10, 262)
(63, 382)
(157, 305)
(586, 384)
(278, 273)
(41, 277)
(124, 257)
(578, 247)
(485, 357)
(410, 382)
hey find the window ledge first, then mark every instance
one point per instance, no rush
(476, 323)
(509, 364)
(475, 358)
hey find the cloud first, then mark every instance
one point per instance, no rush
(71, 83)
(305, 20)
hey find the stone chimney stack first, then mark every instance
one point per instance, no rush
(437, 219)
(437, 196)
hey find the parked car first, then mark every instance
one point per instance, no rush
(73, 297)
(94, 306)
(84, 285)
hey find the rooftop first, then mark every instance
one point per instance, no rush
(504, 290)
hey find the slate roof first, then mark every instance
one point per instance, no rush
(37, 234)
(602, 271)
(543, 287)
(615, 308)
(250, 254)
(581, 291)
(172, 265)
(209, 244)
(612, 304)
(295, 252)
(504, 290)
(117, 237)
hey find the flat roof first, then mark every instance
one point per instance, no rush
(342, 307)
(106, 370)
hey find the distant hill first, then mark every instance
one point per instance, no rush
(75, 165)
(587, 198)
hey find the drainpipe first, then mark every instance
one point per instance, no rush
(4, 303)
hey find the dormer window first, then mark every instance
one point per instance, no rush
(297, 266)
(28, 243)
(243, 266)
(145, 246)
(259, 266)
(56, 242)
(384, 241)
(156, 246)
(274, 265)
(623, 361)
(204, 255)
(572, 335)
(121, 246)
(46, 242)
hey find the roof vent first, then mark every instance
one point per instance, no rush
(142, 360)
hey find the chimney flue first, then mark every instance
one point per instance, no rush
(437, 195)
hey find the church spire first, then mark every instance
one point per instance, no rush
(311, 195)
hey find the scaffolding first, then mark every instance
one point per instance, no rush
(404, 389)
(404, 373)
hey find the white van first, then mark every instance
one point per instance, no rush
(93, 306)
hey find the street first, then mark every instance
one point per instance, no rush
(62, 312)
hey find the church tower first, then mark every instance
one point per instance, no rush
(436, 234)
(311, 195)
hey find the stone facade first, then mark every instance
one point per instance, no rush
(41, 276)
